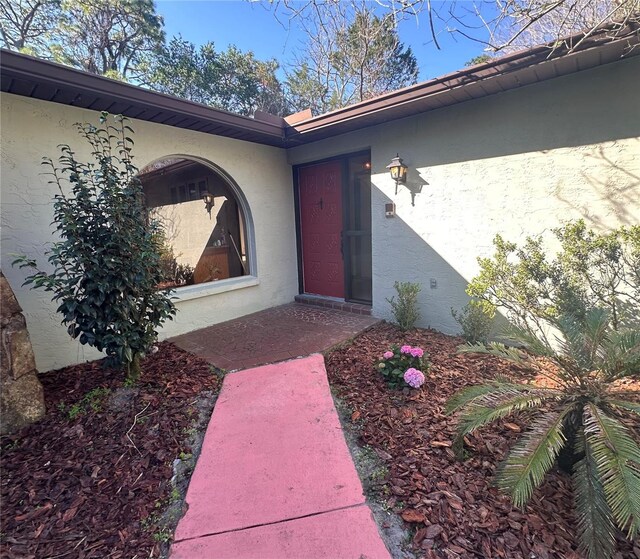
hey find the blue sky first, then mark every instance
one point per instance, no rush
(251, 26)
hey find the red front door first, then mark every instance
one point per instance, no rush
(321, 228)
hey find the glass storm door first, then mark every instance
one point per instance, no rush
(357, 230)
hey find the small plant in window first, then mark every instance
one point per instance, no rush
(404, 365)
(405, 307)
(107, 264)
(184, 274)
(168, 263)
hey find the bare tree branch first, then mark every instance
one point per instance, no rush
(501, 25)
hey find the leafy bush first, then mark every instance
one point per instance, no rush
(578, 312)
(579, 422)
(107, 264)
(168, 262)
(404, 365)
(405, 308)
(590, 270)
(475, 320)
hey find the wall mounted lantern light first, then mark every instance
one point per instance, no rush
(209, 202)
(398, 171)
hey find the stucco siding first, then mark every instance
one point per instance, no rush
(517, 163)
(32, 129)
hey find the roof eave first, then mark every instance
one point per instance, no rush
(504, 72)
(28, 69)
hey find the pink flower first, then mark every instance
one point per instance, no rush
(406, 349)
(414, 378)
(417, 352)
(387, 354)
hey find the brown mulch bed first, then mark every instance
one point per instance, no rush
(92, 479)
(452, 506)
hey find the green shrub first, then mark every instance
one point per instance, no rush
(106, 266)
(577, 311)
(405, 307)
(184, 274)
(475, 320)
(591, 270)
(576, 423)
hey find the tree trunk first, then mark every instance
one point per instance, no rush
(133, 370)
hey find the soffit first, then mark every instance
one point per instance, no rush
(504, 74)
(40, 79)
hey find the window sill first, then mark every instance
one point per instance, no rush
(189, 292)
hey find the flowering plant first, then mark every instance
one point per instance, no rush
(404, 365)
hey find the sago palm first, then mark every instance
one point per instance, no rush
(583, 416)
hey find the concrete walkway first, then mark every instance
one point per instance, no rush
(276, 334)
(275, 479)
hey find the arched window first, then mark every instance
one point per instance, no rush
(200, 243)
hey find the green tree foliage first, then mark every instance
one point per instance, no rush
(501, 25)
(349, 57)
(231, 80)
(106, 37)
(590, 270)
(26, 24)
(106, 265)
(480, 59)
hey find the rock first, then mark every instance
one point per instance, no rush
(21, 402)
(21, 394)
(9, 305)
(20, 350)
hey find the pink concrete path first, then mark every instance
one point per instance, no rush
(275, 479)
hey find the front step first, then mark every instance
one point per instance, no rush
(331, 303)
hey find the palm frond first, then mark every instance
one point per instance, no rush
(533, 456)
(468, 395)
(582, 339)
(617, 457)
(501, 385)
(595, 326)
(594, 520)
(523, 338)
(621, 354)
(489, 407)
(625, 405)
(573, 342)
(497, 350)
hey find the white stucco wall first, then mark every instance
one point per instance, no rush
(32, 129)
(517, 163)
